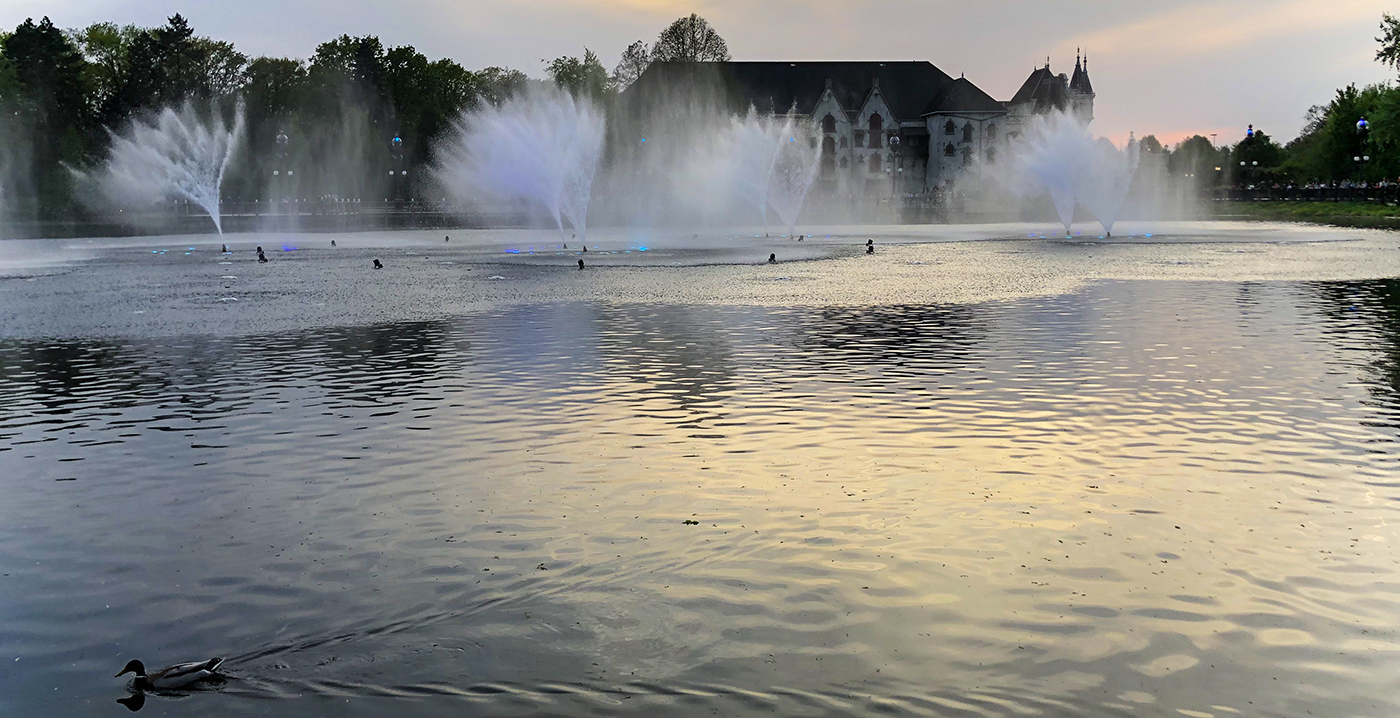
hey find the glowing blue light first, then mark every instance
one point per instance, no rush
(644, 139)
(512, 251)
(641, 249)
(154, 252)
(1149, 235)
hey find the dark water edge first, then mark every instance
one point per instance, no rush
(1145, 498)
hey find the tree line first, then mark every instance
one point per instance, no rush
(1327, 150)
(334, 116)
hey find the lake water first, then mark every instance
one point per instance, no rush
(1147, 491)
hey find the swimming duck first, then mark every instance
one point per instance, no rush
(176, 676)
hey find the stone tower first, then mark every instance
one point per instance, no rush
(1081, 92)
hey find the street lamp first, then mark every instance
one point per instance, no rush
(1249, 134)
(1362, 126)
(897, 167)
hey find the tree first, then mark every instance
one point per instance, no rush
(1389, 54)
(690, 39)
(1151, 145)
(635, 60)
(498, 84)
(581, 77)
(53, 107)
(1196, 156)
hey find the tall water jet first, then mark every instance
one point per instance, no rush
(542, 146)
(771, 162)
(794, 168)
(1059, 156)
(180, 154)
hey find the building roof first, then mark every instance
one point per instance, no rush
(964, 97)
(1080, 81)
(910, 89)
(1045, 89)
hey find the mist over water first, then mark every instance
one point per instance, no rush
(1059, 156)
(181, 154)
(542, 146)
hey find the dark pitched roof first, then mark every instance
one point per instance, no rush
(909, 88)
(1045, 89)
(1080, 81)
(965, 97)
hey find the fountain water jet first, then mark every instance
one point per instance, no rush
(179, 154)
(1061, 157)
(772, 162)
(542, 146)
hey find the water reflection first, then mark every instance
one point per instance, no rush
(1145, 497)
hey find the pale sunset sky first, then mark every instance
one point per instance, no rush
(1168, 67)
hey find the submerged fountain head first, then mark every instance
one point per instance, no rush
(180, 154)
(1062, 158)
(542, 146)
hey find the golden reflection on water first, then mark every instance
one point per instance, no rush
(1175, 496)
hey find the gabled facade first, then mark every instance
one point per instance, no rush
(885, 127)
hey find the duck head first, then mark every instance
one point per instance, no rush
(133, 666)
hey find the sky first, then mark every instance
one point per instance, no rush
(1171, 68)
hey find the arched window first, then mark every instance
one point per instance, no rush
(877, 131)
(950, 150)
(845, 163)
(967, 157)
(828, 146)
(991, 133)
(829, 125)
(844, 144)
(950, 128)
(967, 132)
(875, 164)
(828, 165)
(991, 155)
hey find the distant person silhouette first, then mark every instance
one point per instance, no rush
(447, 238)
(261, 257)
(585, 248)
(377, 265)
(580, 264)
(773, 258)
(332, 242)
(869, 246)
(224, 249)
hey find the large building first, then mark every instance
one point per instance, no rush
(887, 126)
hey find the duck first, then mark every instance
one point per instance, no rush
(176, 676)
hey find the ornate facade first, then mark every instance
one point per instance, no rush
(888, 127)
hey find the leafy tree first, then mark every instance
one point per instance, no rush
(48, 73)
(1389, 54)
(635, 60)
(581, 77)
(1196, 156)
(690, 39)
(498, 84)
(1151, 145)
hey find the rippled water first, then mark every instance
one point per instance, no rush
(1143, 498)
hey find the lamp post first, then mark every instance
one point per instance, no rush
(896, 166)
(398, 172)
(280, 168)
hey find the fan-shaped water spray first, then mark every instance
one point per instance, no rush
(180, 154)
(771, 162)
(1059, 156)
(542, 146)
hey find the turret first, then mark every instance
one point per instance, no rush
(1081, 91)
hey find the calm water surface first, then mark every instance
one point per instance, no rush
(1145, 498)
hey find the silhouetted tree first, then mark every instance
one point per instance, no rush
(52, 107)
(690, 39)
(635, 60)
(581, 77)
